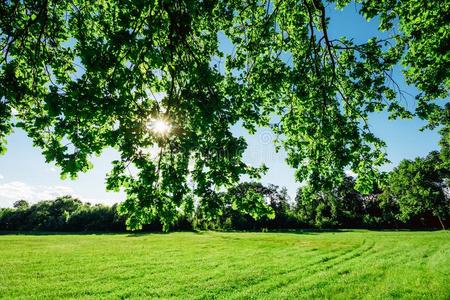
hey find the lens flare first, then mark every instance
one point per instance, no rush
(160, 126)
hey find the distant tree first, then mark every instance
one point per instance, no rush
(419, 186)
(40, 217)
(64, 213)
(51, 215)
(315, 208)
(274, 202)
(93, 218)
(350, 208)
(13, 219)
(376, 212)
(65, 204)
(21, 204)
(244, 203)
(278, 199)
(342, 205)
(444, 142)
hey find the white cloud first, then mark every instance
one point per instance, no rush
(17, 190)
(1, 177)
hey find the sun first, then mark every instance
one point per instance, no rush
(160, 126)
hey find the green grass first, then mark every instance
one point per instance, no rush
(354, 264)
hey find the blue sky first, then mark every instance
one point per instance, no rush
(25, 175)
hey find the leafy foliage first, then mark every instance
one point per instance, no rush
(62, 214)
(21, 204)
(249, 205)
(416, 194)
(418, 187)
(80, 76)
(343, 206)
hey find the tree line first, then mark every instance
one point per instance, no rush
(415, 194)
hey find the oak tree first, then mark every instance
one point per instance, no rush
(151, 80)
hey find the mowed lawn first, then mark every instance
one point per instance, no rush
(352, 264)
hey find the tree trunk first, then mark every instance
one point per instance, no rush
(440, 221)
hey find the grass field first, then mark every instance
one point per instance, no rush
(353, 264)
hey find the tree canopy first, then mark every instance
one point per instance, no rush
(80, 76)
(419, 186)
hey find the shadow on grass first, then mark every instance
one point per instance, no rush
(145, 233)
(60, 232)
(306, 231)
(293, 231)
(125, 233)
(43, 233)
